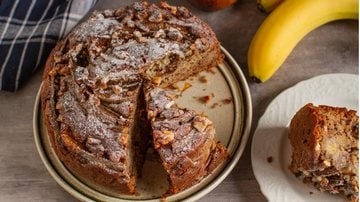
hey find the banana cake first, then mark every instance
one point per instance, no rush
(92, 94)
(184, 140)
(324, 142)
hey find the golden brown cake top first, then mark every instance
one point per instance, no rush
(118, 44)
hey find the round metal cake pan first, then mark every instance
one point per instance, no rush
(229, 108)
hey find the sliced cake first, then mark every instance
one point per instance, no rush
(324, 142)
(184, 140)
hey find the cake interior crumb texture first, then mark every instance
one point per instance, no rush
(324, 142)
(93, 100)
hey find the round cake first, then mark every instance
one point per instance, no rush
(94, 102)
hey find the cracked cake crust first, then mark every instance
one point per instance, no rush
(184, 140)
(93, 79)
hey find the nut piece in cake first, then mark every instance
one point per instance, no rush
(324, 142)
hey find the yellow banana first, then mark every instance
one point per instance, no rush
(286, 26)
(268, 5)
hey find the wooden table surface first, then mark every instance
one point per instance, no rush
(332, 48)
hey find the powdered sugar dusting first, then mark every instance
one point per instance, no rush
(180, 122)
(95, 27)
(88, 125)
(107, 55)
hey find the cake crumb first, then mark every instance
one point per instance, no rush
(270, 159)
(186, 86)
(211, 70)
(174, 87)
(212, 94)
(173, 96)
(205, 99)
(311, 192)
(204, 79)
(214, 105)
(203, 114)
(227, 100)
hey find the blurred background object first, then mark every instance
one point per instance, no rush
(212, 5)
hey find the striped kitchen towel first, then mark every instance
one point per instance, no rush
(29, 29)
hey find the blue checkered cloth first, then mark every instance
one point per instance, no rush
(29, 29)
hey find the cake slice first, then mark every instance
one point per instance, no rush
(184, 140)
(91, 96)
(324, 142)
(93, 129)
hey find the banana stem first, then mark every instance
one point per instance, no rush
(268, 5)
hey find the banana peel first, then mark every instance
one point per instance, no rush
(285, 26)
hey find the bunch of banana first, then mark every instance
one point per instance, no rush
(287, 25)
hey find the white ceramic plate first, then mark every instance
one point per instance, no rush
(270, 139)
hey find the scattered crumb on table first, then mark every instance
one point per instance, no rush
(270, 159)
(186, 86)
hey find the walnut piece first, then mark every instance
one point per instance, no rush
(163, 137)
(156, 80)
(200, 123)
